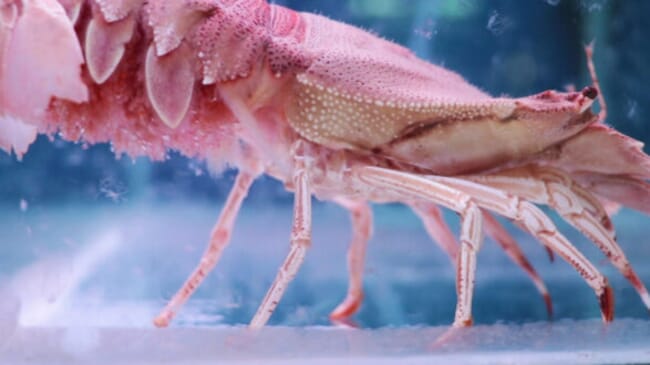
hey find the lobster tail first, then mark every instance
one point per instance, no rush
(610, 164)
(602, 150)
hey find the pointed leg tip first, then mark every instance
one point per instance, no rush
(345, 323)
(451, 334)
(161, 321)
(646, 300)
(255, 326)
(340, 314)
(645, 297)
(638, 285)
(260, 319)
(551, 254)
(469, 322)
(549, 305)
(607, 304)
(346, 309)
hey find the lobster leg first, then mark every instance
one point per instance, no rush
(540, 226)
(498, 233)
(452, 193)
(556, 189)
(361, 215)
(537, 184)
(218, 241)
(300, 242)
(589, 51)
(471, 236)
(438, 230)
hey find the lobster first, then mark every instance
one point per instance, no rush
(331, 111)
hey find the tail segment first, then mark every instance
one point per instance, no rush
(609, 164)
(602, 150)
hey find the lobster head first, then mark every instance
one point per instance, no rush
(558, 115)
(570, 111)
(503, 130)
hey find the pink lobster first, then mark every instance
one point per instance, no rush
(329, 110)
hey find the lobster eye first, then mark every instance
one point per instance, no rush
(590, 92)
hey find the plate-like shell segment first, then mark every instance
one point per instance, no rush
(600, 149)
(16, 136)
(171, 21)
(332, 117)
(72, 8)
(105, 44)
(170, 84)
(231, 42)
(42, 32)
(115, 10)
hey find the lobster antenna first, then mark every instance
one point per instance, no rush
(589, 51)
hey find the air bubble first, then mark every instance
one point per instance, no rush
(632, 107)
(23, 205)
(112, 189)
(498, 24)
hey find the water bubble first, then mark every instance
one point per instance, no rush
(498, 24)
(553, 2)
(592, 5)
(112, 189)
(23, 205)
(427, 30)
(632, 107)
(196, 168)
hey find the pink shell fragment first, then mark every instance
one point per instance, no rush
(16, 135)
(115, 10)
(72, 8)
(8, 16)
(169, 82)
(171, 21)
(42, 32)
(105, 46)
